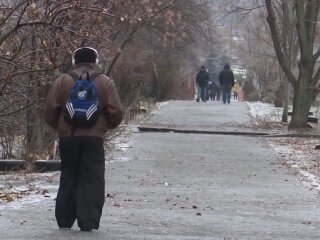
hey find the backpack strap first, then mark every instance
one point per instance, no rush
(87, 75)
(76, 77)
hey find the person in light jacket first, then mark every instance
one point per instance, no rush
(236, 89)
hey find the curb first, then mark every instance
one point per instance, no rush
(240, 133)
(196, 131)
(40, 165)
(300, 135)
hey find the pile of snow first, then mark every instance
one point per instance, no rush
(265, 110)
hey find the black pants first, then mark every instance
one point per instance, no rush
(81, 191)
(226, 93)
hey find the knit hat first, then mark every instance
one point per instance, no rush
(85, 55)
(227, 66)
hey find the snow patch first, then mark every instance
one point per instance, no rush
(120, 159)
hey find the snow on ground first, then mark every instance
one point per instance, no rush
(265, 111)
(298, 154)
(19, 188)
(301, 157)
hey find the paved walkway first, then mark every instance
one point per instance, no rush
(188, 186)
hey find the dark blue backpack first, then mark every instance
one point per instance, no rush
(81, 108)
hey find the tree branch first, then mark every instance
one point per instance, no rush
(305, 49)
(276, 42)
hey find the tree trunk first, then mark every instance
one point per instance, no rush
(279, 100)
(285, 102)
(34, 139)
(302, 101)
(305, 90)
(154, 83)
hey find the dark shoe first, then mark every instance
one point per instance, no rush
(197, 99)
(86, 229)
(65, 228)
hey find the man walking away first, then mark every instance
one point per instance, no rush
(201, 82)
(226, 79)
(81, 191)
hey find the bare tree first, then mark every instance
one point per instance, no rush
(38, 37)
(36, 40)
(162, 31)
(306, 84)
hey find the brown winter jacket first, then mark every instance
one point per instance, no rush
(109, 104)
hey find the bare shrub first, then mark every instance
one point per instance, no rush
(6, 143)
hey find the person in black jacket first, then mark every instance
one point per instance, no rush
(202, 81)
(226, 79)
